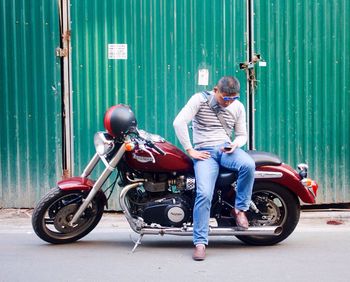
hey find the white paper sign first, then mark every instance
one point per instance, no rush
(262, 64)
(118, 51)
(203, 77)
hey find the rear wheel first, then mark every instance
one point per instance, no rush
(56, 209)
(277, 207)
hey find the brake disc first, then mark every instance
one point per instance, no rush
(270, 216)
(64, 216)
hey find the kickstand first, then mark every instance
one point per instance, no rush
(137, 243)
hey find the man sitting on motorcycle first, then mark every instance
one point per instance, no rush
(215, 115)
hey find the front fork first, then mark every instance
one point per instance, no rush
(110, 167)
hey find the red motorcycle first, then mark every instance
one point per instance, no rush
(159, 187)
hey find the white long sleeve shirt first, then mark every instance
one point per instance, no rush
(207, 129)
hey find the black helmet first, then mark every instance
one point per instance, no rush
(119, 120)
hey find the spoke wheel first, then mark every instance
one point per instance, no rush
(277, 207)
(56, 209)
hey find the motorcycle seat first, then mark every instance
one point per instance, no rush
(226, 176)
(264, 158)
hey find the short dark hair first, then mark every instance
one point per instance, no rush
(229, 85)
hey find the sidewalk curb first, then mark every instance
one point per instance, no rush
(20, 219)
(326, 214)
(304, 214)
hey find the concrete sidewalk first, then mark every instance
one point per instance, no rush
(20, 220)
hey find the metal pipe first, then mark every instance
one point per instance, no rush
(250, 75)
(67, 123)
(91, 165)
(123, 204)
(215, 231)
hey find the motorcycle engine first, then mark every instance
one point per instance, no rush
(162, 199)
(168, 211)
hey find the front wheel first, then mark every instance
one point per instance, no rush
(54, 211)
(277, 207)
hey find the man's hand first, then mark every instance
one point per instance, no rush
(229, 149)
(198, 155)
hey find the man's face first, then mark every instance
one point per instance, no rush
(225, 99)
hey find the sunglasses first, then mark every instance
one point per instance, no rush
(230, 98)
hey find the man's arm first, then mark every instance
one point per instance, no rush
(183, 118)
(240, 129)
(181, 129)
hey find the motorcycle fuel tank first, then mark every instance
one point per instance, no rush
(174, 159)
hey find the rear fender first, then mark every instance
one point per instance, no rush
(290, 179)
(80, 183)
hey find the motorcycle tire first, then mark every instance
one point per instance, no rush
(279, 206)
(54, 211)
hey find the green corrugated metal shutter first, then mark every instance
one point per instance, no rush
(167, 43)
(302, 101)
(30, 103)
(303, 96)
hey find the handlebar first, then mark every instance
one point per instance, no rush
(150, 144)
(155, 147)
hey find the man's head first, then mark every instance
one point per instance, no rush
(227, 90)
(228, 85)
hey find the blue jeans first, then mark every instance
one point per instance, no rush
(206, 173)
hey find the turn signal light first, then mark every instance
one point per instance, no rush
(311, 185)
(307, 182)
(314, 187)
(129, 146)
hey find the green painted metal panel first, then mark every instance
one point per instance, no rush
(167, 43)
(30, 103)
(302, 102)
(302, 97)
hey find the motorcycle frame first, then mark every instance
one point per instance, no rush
(282, 174)
(136, 224)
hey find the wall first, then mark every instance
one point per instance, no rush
(30, 101)
(302, 102)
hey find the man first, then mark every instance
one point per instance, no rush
(213, 148)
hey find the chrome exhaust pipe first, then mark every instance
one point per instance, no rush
(135, 224)
(215, 231)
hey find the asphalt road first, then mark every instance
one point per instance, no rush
(316, 251)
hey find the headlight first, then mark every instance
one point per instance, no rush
(104, 143)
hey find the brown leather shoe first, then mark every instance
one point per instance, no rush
(199, 252)
(241, 219)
